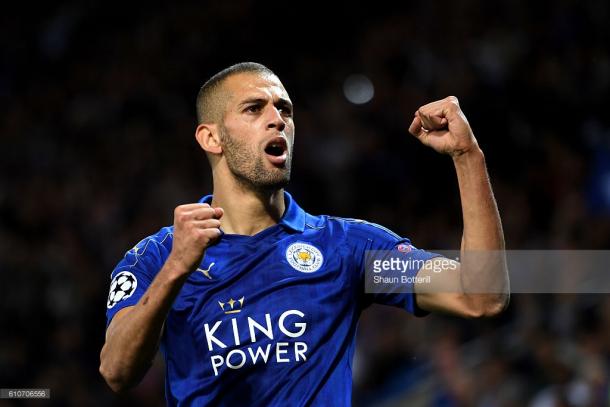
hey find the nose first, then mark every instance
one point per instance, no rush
(276, 121)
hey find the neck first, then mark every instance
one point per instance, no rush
(247, 212)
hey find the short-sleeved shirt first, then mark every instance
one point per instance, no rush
(268, 319)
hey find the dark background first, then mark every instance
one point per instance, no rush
(97, 148)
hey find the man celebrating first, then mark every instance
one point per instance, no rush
(252, 300)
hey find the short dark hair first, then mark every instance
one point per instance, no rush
(210, 101)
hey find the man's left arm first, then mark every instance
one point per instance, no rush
(479, 285)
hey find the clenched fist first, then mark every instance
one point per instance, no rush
(442, 126)
(196, 226)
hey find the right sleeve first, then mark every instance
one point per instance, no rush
(372, 243)
(132, 276)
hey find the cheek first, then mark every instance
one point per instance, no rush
(290, 131)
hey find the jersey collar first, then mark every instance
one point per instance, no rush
(293, 218)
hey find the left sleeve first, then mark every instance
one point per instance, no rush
(132, 276)
(377, 246)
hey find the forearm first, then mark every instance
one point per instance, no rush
(132, 340)
(482, 225)
(483, 270)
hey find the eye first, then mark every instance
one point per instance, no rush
(253, 109)
(285, 110)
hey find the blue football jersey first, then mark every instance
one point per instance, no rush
(269, 319)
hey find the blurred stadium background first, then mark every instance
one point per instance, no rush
(97, 148)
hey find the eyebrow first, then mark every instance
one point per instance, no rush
(280, 102)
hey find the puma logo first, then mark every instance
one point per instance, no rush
(206, 272)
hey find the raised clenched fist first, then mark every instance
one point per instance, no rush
(442, 126)
(196, 226)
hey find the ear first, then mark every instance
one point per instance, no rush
(208, 138)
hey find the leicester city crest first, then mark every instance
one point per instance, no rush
(304, 257)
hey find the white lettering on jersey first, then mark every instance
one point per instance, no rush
(267, 331)
(301, 325)
(285, 351)
(210, 335)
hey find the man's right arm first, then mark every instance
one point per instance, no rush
(133, 336)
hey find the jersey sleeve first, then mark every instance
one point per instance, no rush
(374, 242)
(133, 275)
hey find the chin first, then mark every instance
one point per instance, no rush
(275, 178)
(270, 183)
(275, 184)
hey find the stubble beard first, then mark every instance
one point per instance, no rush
(248, 166)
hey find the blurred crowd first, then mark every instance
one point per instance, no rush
(97, 148)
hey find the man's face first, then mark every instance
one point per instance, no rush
(257, 133)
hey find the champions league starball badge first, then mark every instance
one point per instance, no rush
(122, 287)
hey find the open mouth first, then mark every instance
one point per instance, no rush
(277, 150)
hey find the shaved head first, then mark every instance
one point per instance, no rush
(213, 97)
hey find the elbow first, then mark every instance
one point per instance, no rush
(496, 307)
(115, 377)
(115, 380)
(489, 308)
